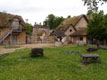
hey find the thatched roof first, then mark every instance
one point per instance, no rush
(79, 33)
(89, 17)
(71, 21)
(66, 27)
(57, 33)
(6, 19)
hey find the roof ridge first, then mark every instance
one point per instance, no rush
(6, 17)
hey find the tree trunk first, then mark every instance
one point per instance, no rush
(106, 42)
(98, 45)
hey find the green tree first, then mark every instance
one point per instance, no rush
(93, 4)
(96, 27)
(90, 12)
(58, 21)
(45, 23)
(105, 25)
(68, 16)
(52, 21)
(29, 28)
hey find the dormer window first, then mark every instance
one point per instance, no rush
(70, 30)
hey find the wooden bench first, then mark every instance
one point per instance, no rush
(92, 49)
(89, 58)
(36, 51)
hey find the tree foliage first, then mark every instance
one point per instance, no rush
(105, 25)
(29, 28)
(97, 27)
(68, 16)
(52, 21)
(90, 12)
(93, 4)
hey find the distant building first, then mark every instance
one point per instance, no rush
(12, 29)
(58, 35)
(79, 37)
(75, 25)
(41, 34)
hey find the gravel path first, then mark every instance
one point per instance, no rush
(9, 50)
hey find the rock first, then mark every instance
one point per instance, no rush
(58, 44)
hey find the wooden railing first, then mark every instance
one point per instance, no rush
(5, 35)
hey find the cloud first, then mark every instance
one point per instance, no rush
(37, 10)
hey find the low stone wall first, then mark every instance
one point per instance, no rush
(46, 39)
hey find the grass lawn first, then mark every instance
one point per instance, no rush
(55, 65)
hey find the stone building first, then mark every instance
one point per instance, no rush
(75, 25)
(41, 34)
(12, 29)
(79, 37)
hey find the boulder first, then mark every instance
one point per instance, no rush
(58, 44)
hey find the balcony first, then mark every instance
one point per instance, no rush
(17, 30)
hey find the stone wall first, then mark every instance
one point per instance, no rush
(69, 31)
(81, 24)
(41, 35)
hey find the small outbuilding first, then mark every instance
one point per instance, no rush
(79, 37)
(12, 29)
(59, 35)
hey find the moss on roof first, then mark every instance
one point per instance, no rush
(74, 20)
(6, 19)
(79, 33)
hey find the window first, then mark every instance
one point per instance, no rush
(70, 30)
(81, 38)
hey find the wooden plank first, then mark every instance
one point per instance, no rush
(89, 55)
(89, 58)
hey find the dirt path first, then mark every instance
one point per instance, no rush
(37, 45)
(9, 50)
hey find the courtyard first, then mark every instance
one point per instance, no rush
(54, 65)
(12, 48)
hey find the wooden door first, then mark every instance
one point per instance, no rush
(13, 39)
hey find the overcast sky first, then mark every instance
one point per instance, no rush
(38, 10)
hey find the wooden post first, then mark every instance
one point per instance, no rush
(11, 39)
(98, 45)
